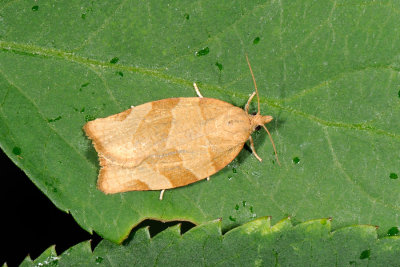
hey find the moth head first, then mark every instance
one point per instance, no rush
(259, 120)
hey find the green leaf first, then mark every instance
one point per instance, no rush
(327, 71)
(47, 258)
(253, 244)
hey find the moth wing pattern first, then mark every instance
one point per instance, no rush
(165, 144)
(169, 172)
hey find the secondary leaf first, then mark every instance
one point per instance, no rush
(327, 71)
(253, 244)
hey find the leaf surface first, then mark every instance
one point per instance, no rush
(328, 72)
(255, 243)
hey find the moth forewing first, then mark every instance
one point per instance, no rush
(174, 143)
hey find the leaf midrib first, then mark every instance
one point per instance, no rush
(50, 52)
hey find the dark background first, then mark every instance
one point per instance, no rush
(32, 223)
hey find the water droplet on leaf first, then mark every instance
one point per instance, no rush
(99, 260)
(16, 151)
(365, 254)
(394, 231)
(203, 52)
(85, 84)
(114, 60)
(219, 65)
(256, 40)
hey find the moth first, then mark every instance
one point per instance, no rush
(171, 142)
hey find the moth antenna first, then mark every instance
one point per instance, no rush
(255, 85)
(273, 144)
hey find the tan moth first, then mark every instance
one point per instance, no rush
(171, 142)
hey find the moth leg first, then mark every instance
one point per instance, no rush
(208, 178)
(197, 90)
(253, 149)
(246, 108)
(162, 194)
(132, 106)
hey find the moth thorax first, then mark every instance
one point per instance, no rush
(259, 119)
